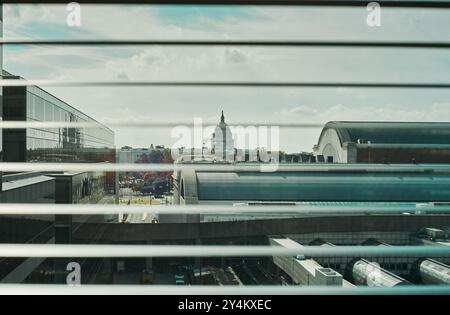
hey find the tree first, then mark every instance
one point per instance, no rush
(136, 186)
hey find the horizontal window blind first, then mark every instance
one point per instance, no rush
(143, 251)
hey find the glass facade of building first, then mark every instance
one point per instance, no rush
(64, 144)
(33, 104)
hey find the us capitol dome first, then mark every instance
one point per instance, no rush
(222, 142)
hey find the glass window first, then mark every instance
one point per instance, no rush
(39, 109)
(48, 112)
(30, 106)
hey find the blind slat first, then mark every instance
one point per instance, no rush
(52, 289)
(134, 251)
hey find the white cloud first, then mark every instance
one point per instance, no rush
(235, 55)
(300, 111)
(374, 112)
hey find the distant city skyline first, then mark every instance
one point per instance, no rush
(268, 105)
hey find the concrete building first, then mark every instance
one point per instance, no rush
(28, 187)
(305, 271)
(384, 142)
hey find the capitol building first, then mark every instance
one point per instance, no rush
(222, 142)
(222, 148)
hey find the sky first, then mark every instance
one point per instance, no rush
(263, 105)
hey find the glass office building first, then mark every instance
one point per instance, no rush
(80, 145)
(61, 144)
(93, 144)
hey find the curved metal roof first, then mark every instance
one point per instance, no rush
(391, 132)
(323, 186)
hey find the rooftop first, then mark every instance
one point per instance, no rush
(391, 132)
